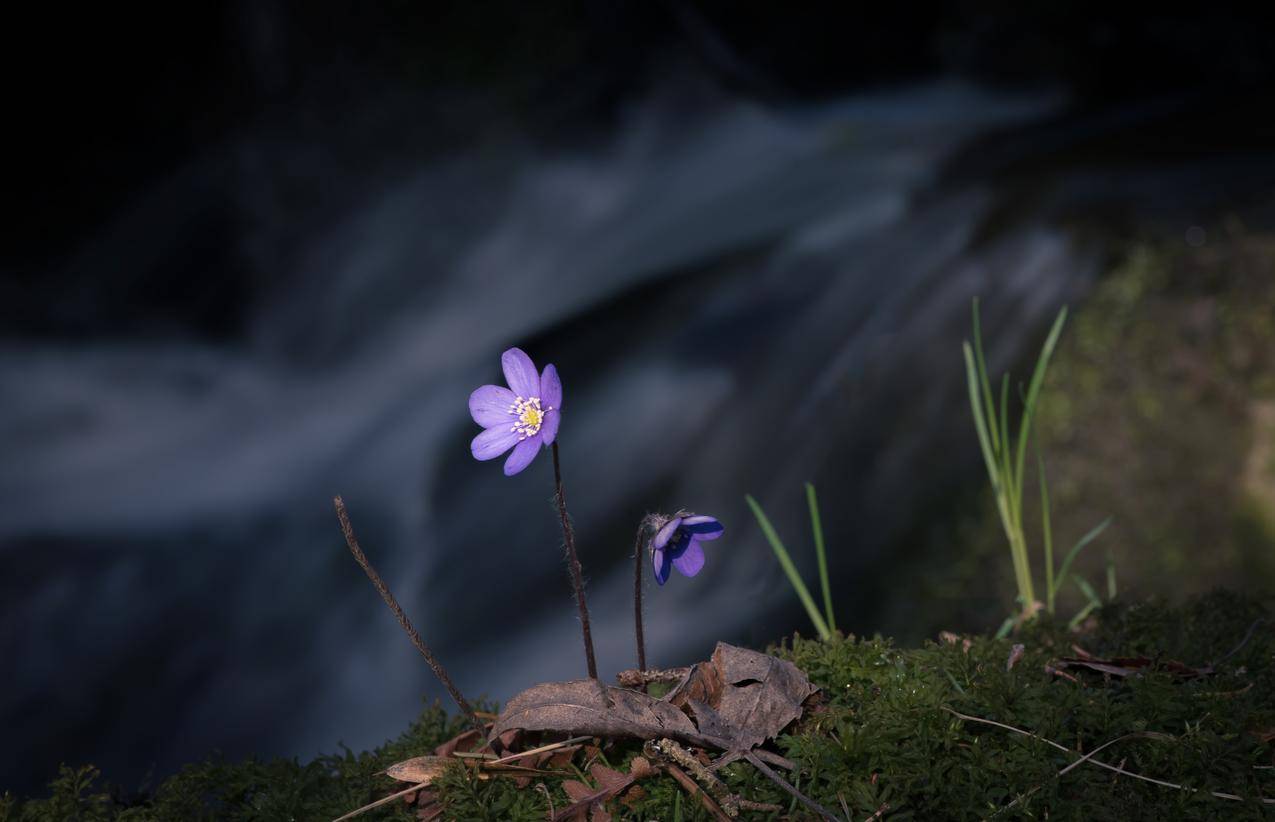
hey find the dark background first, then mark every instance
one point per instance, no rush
(259, 253)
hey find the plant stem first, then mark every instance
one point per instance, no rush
(573, 564)
(637, 594)
(384, 591)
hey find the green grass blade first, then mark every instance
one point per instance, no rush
(816, 525)
(1014, 495)
(1006, 627)
(1086, 589)
(1080, 615)
(1033, 391)
(1048, 536)
(1111, 576)
(1093, 534)
(785, 562)
(980, 422)
(982, 376)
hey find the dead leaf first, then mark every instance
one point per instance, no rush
(578, 791)
(742, 695)
(1129, 666)
(611, 783)
(633, 796)
(421, 769)
(466, 741)
(1015, 654)
(576, 707)
(609, 778)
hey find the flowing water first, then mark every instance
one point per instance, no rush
(738, 298)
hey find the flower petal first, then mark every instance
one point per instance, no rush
(489, 406)
(493, 442)
(662, 563)
(550, 388)
(662, 536)
(520, 373)
(691, 560)
(522, 455)
(549, 426)
(703, 527)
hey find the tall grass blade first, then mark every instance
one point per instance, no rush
(785, 562)
(1111, 576)
(980, 421)
(816, 525)
(1033, 392)
(1087, 589)
(1093, 534)
(982, 375)
(1048, 537)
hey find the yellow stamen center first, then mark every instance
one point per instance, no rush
(528, 416)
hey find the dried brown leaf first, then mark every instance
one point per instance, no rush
(640, 768)
(1129, 666)
(759, 695)
(608, 778)
(419, 769)
(578, 791)
(633, 796)
(577, 707)
(467, 741)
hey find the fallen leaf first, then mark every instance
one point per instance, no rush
(742, 695)
(633, 796)
(1129, 666)
(578, 791)
(466, 741)
(421, 769)
(577, 708)
(608, 778)
(1015, 654)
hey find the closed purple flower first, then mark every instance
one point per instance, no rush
(677, 545)
(523, 416)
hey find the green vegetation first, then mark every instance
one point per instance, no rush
(884, 737)
(825, 624)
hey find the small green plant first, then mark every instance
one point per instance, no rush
(1005, 460)
(825, 624)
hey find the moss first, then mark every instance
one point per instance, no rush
(883, 737)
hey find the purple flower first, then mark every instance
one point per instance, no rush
(522, 417)
(677, 545)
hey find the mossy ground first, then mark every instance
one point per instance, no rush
(884, 738)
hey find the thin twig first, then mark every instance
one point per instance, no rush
(885, 806)
(668, 750)
(691, 788)
(1100, 763)
(787, 786)
(383, 800)
(634, 678)
(573, 564)
(1243, 642)
(540, 786)
(1137, 734)
(553, 746)
(384, 590)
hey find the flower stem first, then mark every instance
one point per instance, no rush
(637, 595)
(573, 564)
(384, 591)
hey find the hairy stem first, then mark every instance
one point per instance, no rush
(573, 564)
(384, 591)
(637, 594)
